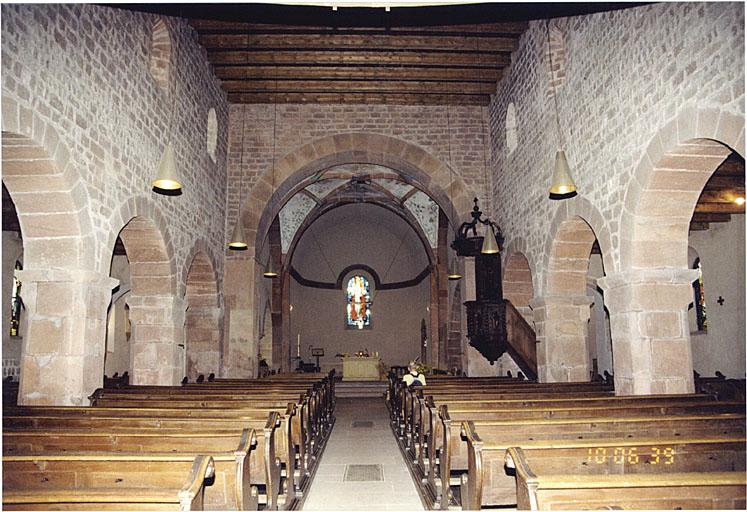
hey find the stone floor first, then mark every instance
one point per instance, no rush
(370, 444)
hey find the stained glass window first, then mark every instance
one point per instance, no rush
(358, 308)
(15, 304)
(700, 305)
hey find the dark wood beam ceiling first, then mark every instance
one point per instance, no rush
(435, 55)
(287, 64)
(716, 202)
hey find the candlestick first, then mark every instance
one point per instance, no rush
(298, 346)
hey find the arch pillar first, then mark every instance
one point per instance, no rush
(241, 275)
(650, 332)
(560, 326)
(62, 359)
(157, 352)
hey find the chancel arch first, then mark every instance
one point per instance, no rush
(301, 168)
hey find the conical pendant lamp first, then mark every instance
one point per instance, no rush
(454, 273)
(489, 243)
(168, 178)
(270, 271)
(562, 186)
(238, 240)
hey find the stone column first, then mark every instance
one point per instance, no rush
(203, 340)
(239, 293)
(62, 359)
(157, 352)
(650, 334)
(560, 325)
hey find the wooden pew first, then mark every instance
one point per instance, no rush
(487, 483)
(453, 454)
(709, 479)
(231, 454)
(265, 464)
(105, 481)
(440, 423)
(307, 432)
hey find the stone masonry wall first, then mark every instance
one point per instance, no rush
(425, 126)
(84, 70)
(628, 73)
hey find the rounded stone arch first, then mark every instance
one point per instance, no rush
(519, 246)
(667, 182)
(201, 245)
(517, 280)
(402, 213)
(416, 163)
(203, 333)
(577, 223)
(145, 234)
(50, 197)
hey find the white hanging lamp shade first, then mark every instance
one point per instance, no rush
(168, 178)
(562, 186)
(270, 271)
(489, 243)
(454, 273)
(238, 240)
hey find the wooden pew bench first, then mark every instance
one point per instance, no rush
(105, 481)
(231, 454)
(543, 484)
(441, 423)
(308, 435)
(453, 455)
(310, 424)
(488, 483)
(265, 468)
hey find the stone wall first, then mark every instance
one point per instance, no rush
(100, 92)
(84, 71)
(642, 91)
(628, 73)
(296, 125)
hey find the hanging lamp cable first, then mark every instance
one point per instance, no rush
(554, 87)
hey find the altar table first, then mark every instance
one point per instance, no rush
(361, 368)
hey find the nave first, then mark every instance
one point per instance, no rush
(362, 468)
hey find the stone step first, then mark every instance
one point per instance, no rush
(360, 389)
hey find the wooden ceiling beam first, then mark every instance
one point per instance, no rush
(711, 217)
(359, 98)
(732, 208)
(699, 226)
(360, 57)
(357, 86)
(239, 72)
(725, 182)
(732, 166)
(355, 42)
(221, 27)
(720, 195)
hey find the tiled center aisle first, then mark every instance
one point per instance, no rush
(370, 442)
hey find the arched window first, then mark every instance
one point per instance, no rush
(16, 304)
(358, 308)
(700, 306)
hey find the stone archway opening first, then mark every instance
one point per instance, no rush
(652, 293)
(202, 324)
(62, 350)
(562, 317)
(156, 315)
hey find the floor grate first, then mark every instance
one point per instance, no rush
(363, 473)
(363, 424)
